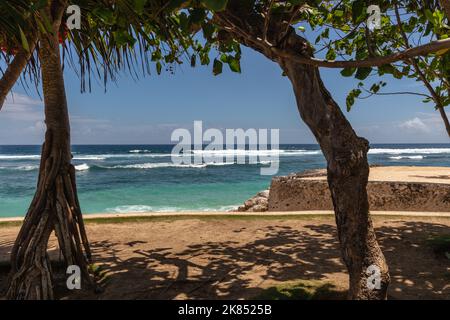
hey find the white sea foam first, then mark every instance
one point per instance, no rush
(21, 168)
(143, 153)
(27, 168)
(82, 167)
(89, 157)
(220, 209)
(242, 152)
(19, 157)
(133, 154)
(157, 165)
(407, 157)
(146, 208)
(129, 209)
(139, 151)
(121, 155)
(410, 151)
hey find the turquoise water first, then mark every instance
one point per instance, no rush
(138, 178)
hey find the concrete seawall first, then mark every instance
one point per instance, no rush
(299, 195)
(419, 189)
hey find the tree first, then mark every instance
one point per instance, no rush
(55, 205)
(268, 27)
(105, 44)
(405, 25)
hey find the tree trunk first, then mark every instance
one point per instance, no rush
(445, 4)
(444, 117)
(55, 205)
(348, 171)
(345, 152)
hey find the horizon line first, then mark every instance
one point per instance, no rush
(174, 144)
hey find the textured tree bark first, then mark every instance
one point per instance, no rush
(444, 117)
(348, 172)
(55, 206)
(345, 152)
(445, 4)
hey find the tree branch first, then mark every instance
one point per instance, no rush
(437, 99)
(407, 54)
(14, 70)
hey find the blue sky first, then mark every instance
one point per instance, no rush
(148, 110)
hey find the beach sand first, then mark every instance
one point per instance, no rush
(237, 256)
(404, 174)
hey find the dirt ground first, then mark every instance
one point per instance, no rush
(217, 258)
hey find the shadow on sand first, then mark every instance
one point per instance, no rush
(230, 270)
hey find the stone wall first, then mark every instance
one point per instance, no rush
(295, 193)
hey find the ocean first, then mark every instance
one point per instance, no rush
(141, 178)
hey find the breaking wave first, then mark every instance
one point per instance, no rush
(82, 167)
(145, 208)
(410, 151)
(407, 157)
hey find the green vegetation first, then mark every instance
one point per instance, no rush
(218, 217)
(209, 217)
(440, 245)
(302, 290)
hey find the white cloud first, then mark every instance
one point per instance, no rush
(23, 108)
(22, 122)
(421, 127)
(416, 124)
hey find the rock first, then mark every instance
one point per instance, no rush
(258, 208)
(258, 203)
(264, 194)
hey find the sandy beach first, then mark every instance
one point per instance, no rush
(405, 174)
(241, 256)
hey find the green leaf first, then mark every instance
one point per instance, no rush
(338, 13)
(348, 72)
(158, 67)
(24, 40)
(105, 15)
(235, 64)
(358, 13)
(175, 4)
(215, 5)
(139, 6)
(350, 101)
(331, 54)
(39, 4)
(363, 73)
(123, 38)
(217, 67)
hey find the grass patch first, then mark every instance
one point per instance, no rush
(404, 217)
(10, 223)
(302, 290)
(218, 217)
(440, 245)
